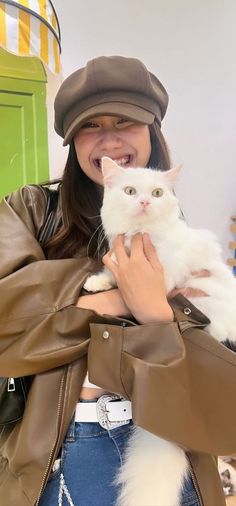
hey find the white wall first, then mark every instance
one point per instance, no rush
(57, 155)
(190, 45)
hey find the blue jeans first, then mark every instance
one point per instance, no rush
(90, 459)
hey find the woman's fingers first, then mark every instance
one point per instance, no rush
(140, 278)
(109, 262)
(187, 292)
(136, 248)
(119, 249)
(117, 255)
(192, 292)
(142, 247)
(203, 273)
(150, 251)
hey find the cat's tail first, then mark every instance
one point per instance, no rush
(153, 471)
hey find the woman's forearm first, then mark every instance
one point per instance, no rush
(109, 302)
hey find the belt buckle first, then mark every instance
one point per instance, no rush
(102, 412)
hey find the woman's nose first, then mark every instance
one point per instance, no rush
(110, 139)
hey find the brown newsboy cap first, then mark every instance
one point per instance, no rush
(109, 85)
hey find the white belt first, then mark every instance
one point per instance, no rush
(109, 410)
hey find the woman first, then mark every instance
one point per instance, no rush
(66, 449)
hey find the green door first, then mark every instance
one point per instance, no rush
(23, 122)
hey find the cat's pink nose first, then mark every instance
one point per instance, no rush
(144, 203)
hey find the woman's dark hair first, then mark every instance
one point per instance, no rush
(81, 201)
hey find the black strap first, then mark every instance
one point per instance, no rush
(47, 229)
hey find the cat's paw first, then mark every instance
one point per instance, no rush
(97, 283)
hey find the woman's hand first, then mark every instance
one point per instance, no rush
(191, 292)
(110, 302)
(140, 279)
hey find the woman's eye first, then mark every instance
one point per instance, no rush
(130, 190)
(123, 121)
(158, 192)
(90, 124)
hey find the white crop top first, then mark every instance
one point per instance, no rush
(87, 383)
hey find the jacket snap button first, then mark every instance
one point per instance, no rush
(105, 334)
(187, 310)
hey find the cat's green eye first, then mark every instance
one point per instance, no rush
(130, 190)
(158, 192)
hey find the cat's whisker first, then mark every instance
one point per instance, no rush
(99, 243)
(101, 239)
(92, 217)
(91, 238)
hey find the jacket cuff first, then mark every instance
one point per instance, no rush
(112, 347)
(184, 310)
(104, 357)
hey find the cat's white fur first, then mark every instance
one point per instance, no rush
(153, 471)
(146, 475)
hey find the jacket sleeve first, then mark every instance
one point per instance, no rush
(181, 381)
(40, 327)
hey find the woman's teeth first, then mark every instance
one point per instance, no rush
(120, 161)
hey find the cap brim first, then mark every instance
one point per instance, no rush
(129, 111)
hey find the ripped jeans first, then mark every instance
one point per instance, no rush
(90, 459)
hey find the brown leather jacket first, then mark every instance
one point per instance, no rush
(43, 333)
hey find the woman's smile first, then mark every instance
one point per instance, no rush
(124, 160)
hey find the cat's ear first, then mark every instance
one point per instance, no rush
(110, 170)
(172, 174)
(226, 474)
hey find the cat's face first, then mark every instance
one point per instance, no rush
(227, 482)
(136, 199)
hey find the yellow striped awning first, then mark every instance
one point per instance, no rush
(31, 27)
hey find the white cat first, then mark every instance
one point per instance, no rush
(142, 200)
